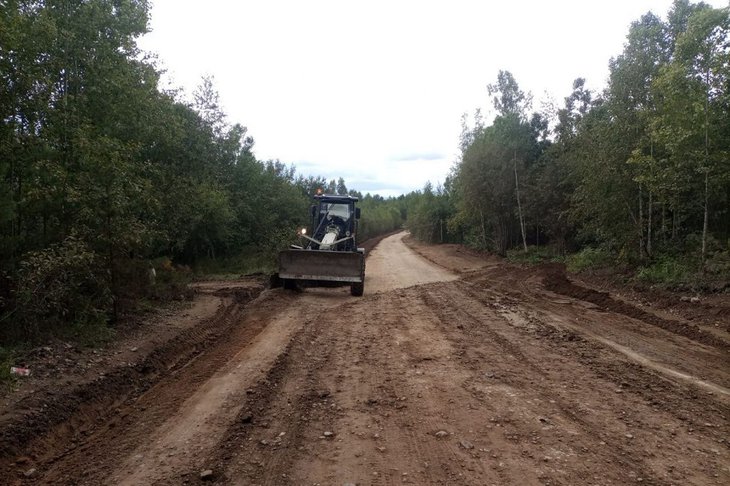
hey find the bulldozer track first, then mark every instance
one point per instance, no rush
(467, 372)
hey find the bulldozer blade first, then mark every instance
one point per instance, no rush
(322, 265)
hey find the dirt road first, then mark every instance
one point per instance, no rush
(467, 372)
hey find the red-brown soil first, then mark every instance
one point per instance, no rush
(456, 368)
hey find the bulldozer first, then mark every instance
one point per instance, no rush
(328, 255)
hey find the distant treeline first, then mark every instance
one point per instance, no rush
(638, 174)
(103, 177)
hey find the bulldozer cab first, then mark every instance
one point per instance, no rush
(334, 223)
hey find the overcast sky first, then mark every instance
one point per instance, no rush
(373, 91)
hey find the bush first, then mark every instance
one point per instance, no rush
(685, 272)
(6, 361)
(667, 271)
(248, 262)
(534, 255)
(718, 264)
(60, 288)
(590, 259)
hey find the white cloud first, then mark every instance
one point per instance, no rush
(353, 87)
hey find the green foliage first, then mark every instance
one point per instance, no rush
(667, 271)
(379, 216)
(249, 262)
(7, 359)
(635, 171)
(58, 285)
(429, 213)
(534, 255)
(496, 160)
(590, 258)
(685, 271)
(101, 173)
(718, 264)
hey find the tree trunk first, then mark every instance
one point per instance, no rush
(519, 205)
(648, 225)
(707, 167)
(484, 228)
(651, 208)
(706, 218)
(641, 224)
(503, 233)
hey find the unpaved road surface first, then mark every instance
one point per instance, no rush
(455, 369)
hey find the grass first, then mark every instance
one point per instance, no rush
(590, 259)
(7, 359)
(666, 271)
(233, 267)
(90, 334)
(685, 273)
(534, 255)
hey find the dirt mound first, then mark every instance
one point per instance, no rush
(556, 280)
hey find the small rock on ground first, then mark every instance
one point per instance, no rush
(466, 444)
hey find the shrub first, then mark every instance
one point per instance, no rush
(6, 361)
(534, 255)
(668, 271)
(60, 286)
(589, 258)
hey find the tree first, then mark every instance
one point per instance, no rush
(207, 104)
(693, 93)
(507, 97)
(486, 183)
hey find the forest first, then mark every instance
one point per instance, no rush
(636, 177)
(104, 175)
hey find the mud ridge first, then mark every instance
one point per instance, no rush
(472, 325)
(556, 280)
(685, 401)
(261, 410)
(52, 421)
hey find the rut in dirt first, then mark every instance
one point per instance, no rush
(58, 422)
(430, 378)
(435, 384)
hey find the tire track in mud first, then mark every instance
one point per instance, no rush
(532, 403)
(645, 343)
(521, 375)
(399, 410)
(262, 441)
(365, 403)
(557, 281)
(475, 381)
(58, 427)
(210, 406)
(90, 456)
(597, 364)
(532, 282)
